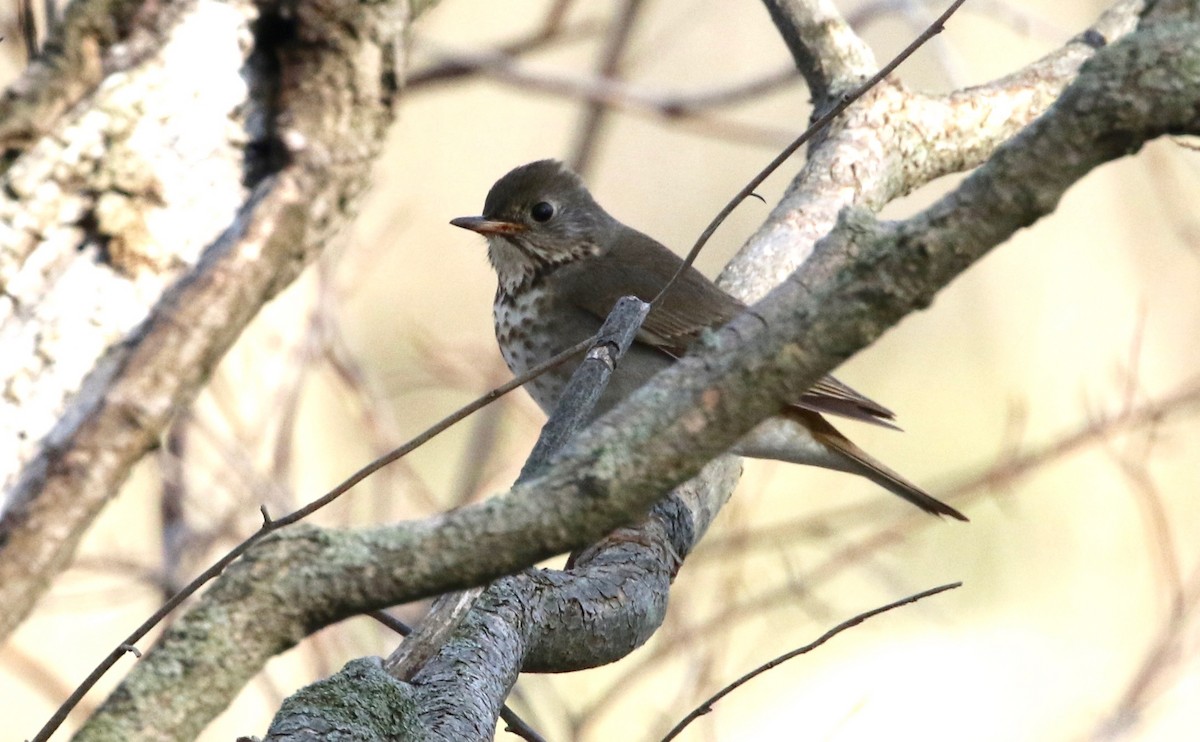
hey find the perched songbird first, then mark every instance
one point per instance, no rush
(562, 262)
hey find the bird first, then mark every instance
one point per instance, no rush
(562, 261)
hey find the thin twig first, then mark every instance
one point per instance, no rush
(706, 707)
(516, 725)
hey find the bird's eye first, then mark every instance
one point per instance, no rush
(542, 211)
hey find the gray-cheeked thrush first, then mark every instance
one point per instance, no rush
(562, 262)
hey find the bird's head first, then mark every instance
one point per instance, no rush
(537, 218)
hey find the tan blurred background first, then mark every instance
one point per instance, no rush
(1022, 389)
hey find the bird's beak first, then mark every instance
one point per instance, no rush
(485, 226)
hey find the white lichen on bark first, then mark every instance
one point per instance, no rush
(109, 207)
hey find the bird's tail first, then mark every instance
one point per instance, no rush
(821, 444)
(863, 464)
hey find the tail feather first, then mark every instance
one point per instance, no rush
(864, 465)
(858, 461)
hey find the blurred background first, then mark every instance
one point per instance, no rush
(1050, 393)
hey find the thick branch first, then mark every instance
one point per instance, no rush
(543, 621)
(952, 133)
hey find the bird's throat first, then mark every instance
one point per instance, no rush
(515, 270)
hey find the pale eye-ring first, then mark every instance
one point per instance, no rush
(542, 211)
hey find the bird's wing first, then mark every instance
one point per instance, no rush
(835, 398)
(641, 266)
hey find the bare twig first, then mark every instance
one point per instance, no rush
(706, 707)
(514, 724)
(28, 25)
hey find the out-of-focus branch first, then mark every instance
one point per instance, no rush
(684, 109)
(28, 25)
(594, 114)
(501, 66)
(450, 69)
(1162, 656)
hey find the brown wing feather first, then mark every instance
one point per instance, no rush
(693, 305)
(639, 265)
(832, 396)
